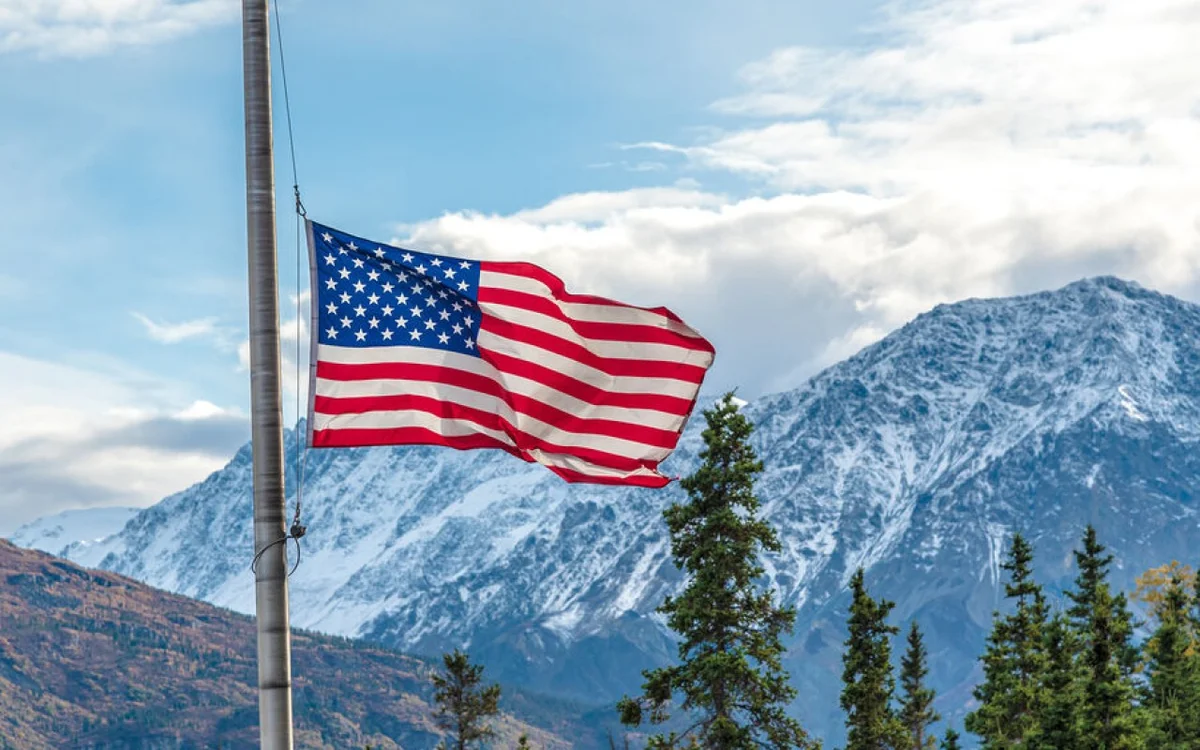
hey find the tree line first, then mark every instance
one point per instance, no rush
(1068, 678)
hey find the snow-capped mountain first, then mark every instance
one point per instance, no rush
(79, 528)
(916, 459)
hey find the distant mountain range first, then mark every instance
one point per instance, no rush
(92, 660)
(916, 459)
(72, 528)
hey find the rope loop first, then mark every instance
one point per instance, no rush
(282, 540)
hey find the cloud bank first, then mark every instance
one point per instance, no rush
(984, 148)
(86, 437)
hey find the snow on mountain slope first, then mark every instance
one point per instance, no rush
(916, 459)
(82, 528)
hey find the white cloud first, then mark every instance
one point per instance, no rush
(75, 436)
(988, 147)
(80, 28)
(637, 166)
(201, 409)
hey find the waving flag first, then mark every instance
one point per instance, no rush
(415, 348)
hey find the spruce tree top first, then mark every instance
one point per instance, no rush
(1093, 569)
(916, 701)
(728, 464)
(717, 537)
(730, 678)
(868, 682)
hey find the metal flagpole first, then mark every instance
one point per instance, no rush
(270, 537)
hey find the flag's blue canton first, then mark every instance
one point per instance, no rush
(377, 295)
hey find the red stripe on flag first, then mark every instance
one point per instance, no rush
(637, 368)
(353, 437)
(590, 329)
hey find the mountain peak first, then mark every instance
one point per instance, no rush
(1094, 320)
(1093, 295)
(1052, 358)
(1107, 282)
(1107, 290)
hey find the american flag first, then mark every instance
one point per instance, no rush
(417, 348)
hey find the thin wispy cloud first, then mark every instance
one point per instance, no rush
(173, 333)
(631, 166)
(82, 28)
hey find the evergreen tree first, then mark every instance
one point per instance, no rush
(464, 704)
(867, 678)
(523, 742)
(1173, 693)
(730, 676)
(1107, 657)
(1058, 721)
(1014, 665)
(1093, 570)
(1093, 575)
(916, 700)
(1109, 722)
(951, 741)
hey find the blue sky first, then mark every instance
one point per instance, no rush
(794, 178)
(129, 163)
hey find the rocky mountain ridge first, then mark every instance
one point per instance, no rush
(90, 660)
